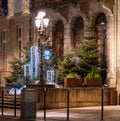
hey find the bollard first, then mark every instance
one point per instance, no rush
(45, 103)
(28, 104)
(15, 103)
(2, 108)
(68, 100)
(102, 103)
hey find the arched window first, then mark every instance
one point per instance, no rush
(58, 38)
(78, 31)
(4, 48)
(101, 28)
(19, 39)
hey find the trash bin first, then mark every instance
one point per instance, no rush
(28, 103)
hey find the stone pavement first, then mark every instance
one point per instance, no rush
(111, 113)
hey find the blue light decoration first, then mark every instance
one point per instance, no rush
(27, 70)
(31, 69)
(34, 62)
(47, 54)
(3, 7)
(50, 77)
(18, 90)
(49, 71)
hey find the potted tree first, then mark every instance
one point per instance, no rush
(85, 61)
(90, 65)
(93, 79)
(68, 72)
(72, 80)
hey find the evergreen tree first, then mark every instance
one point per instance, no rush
(89, 55)
(85, 61)
(16, 77)
(66, 66)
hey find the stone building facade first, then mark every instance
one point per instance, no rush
(68, 23)
(14, 31)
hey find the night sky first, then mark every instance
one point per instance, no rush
(3, 7)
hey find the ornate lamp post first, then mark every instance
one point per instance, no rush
(41, 23)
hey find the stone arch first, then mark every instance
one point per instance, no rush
(102, 9)
(75, 13)
(101, 28)
(58, 38)
(110, 44)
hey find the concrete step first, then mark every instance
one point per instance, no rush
(9, 101)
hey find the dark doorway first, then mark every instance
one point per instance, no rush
(78, 31)
(58, 38)
(101, 28)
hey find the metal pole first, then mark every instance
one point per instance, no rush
(2, 109)
(15, 102)
(45, 103)
(68, 100)
(102, 103)
(40, 46)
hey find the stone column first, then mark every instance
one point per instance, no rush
(67, 39)
(117, 5)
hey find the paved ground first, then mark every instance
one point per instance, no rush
(111, 113)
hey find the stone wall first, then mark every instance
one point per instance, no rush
(78, 97)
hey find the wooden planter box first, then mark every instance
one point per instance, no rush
(95, 82)
(72, 82)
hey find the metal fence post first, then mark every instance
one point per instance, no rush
(45, 103)
(68, 100)
(102, 103)
(15, 102)
(2, 108)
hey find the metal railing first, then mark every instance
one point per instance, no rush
(3, 103)
(45, 103)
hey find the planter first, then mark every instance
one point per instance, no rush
(94, 82)
(72, 82)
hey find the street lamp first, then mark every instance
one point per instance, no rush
(102, 30)
(41, 23)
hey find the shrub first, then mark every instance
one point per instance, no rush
(73, 75)
(93, 75)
